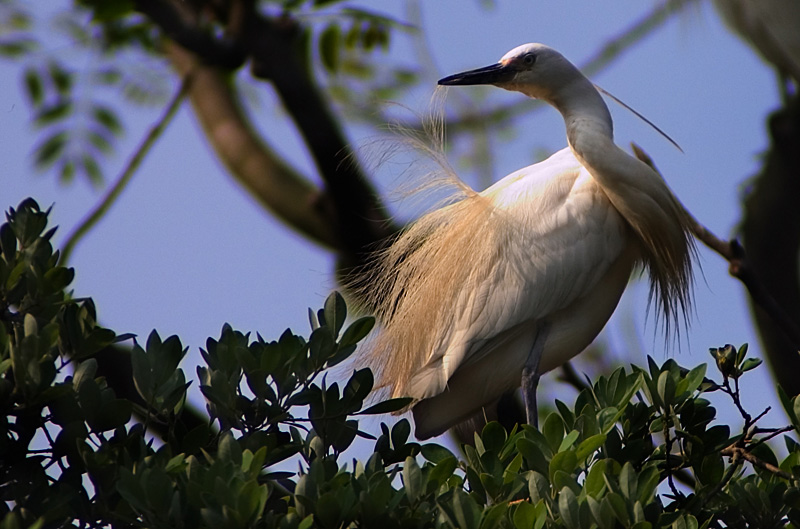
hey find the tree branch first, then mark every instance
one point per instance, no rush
(274, 183)
(276, 47)
(347, 215)
(125, 177)
(221, 52)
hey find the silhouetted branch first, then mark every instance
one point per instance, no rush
(275, 46)
(222, 52)
(347, 215)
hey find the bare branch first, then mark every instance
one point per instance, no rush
(739, 452)
(125, 177)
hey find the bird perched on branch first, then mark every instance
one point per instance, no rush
(489, 292)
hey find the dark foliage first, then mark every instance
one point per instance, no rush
(639, 448)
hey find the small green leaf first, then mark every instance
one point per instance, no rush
(356, 331)
(595, 479)
(55, 112)
(34, 86)
(107, 118)
(589, 445)
(553, 430)
(568, 508)
(750, 363)
(412, 479)
(435, 453)
(524, 515)
(50, 150)
(400, 433)
(335, 312)
(569, 440)
(386, 406)
(628, 482)
(666, 388)
(329, 43)
(563, 461)
(493, 436)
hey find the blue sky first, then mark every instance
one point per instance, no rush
(186, 250)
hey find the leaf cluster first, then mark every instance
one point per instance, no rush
(639, 448)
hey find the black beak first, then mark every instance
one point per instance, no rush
(494, 74)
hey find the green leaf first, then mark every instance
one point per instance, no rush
(533, 455)
(106, 117)
(619, 507)
(34, 86)
(524, 515)
(30, 325)
(563, 461)
(553, 431)
(335, 312)
(666, 388)
(750, 363)
(52, 113)
(356, 331)
(50, 149)
(568, 508)
(400, 433)
(590, 445)
(8, 243)
(493, 436)
(386, 406)
(465, 509)
(692, 380)
(329, 44)
(435, 453)
(569, 440)
(412, 479)
(443, 470)
(538, 487)
(595, 479)
(628, 482)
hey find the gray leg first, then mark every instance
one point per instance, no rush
(530, 375)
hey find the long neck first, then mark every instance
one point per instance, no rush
(636, 191)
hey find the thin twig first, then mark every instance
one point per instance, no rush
(743, 453)
(604, 57)
(125, 177)
(773, 432)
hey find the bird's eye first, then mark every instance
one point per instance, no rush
(529, 59)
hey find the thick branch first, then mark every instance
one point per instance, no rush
(225, 53)
(276, 47)
(347, 215)
(276, 185)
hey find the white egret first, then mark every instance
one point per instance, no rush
(493, 290)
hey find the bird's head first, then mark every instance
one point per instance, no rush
(535, 70)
